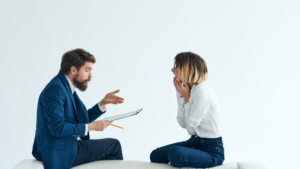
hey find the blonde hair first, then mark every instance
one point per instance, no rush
(191, 68)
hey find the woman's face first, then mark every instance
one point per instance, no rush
(175, 71)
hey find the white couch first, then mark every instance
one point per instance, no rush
(33, 164)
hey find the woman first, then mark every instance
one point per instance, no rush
(199, 112)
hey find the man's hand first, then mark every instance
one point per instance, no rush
(111, 98)
(98, 125)
(183, 90)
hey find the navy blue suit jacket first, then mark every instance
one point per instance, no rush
(60, 119)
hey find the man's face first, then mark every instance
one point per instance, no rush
(83, 76)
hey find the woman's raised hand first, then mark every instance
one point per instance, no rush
(182, 89)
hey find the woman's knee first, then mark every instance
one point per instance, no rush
(175, 151)
(154, 156)
(175, 156)
(158, 156)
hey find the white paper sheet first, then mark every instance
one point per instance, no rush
(122, 116)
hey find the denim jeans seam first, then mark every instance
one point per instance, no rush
(188, 161)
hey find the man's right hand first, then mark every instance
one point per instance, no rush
(98, 125)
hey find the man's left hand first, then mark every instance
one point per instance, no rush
(111, 98)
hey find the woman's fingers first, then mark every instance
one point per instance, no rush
(179, 83)
(176, 85)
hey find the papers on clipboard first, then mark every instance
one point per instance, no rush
(122, 116)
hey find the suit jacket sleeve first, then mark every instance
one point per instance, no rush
(94, 113)
(53, 100)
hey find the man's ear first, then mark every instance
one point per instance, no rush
(73, 70)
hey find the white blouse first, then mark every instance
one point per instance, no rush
(202, 114)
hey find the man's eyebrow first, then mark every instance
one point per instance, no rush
(89, 68)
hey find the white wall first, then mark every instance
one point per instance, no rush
(251, 49)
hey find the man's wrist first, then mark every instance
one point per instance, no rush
(102, 105)
(90, 127)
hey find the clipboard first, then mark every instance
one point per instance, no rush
(122, 116)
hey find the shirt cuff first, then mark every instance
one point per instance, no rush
(181, 101)
(86, 129)
(187, 106)
(103, 110)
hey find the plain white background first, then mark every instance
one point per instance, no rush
(251, 49)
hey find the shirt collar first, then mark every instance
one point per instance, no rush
(71, 85)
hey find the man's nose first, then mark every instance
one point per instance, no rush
(172, 70)
(90, 75)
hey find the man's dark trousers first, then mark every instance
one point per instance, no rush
(94, 150)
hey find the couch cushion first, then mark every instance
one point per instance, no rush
(116, 164)
(30, 164)
(248, 164)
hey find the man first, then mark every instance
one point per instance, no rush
(63, 122)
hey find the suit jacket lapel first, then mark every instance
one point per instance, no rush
(82, 113)
(66, 84)
(81, 109)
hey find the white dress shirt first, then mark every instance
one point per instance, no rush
(202, 114)
(73, 88)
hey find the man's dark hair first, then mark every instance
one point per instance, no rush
(77, 58)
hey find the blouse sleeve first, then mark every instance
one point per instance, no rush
(181, 111)
(195, 112)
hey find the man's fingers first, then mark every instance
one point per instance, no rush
(120, 98)
(114, 92)
(116, 102)
(107, 123)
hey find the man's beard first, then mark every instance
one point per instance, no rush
(80, 85)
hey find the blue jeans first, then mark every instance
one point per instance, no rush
(196, 152)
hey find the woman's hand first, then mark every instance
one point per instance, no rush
(183, 90)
